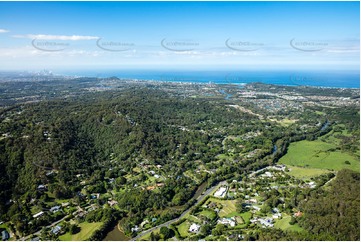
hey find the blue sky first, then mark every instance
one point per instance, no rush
(179, 35)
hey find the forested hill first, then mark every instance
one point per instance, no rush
(143, 153)
(112, 130)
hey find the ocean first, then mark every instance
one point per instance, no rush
(336, 79)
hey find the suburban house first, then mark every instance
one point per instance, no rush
(135, 229)
(227, 221)
(221, 192)
(5, 235)
(55, 209)
(39, 214)
(150, 188)
(112, 203)
(41, 187)
(194, 228)
(267, 222)
(94, 196)
(56, 230)
(66, 204)
(256, 208)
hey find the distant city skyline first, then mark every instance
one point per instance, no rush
(179, 35)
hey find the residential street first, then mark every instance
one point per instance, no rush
(166, 224)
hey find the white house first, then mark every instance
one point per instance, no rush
(194, 228)
(268, 174)
(276, 215)
(253, 200)
(267, 222)
(56, 230)
(228, 221)
(256, 208)
(41, 187)
(279, 167)
(312, 184)
(221, 192)
(135, 229)
(38, 214)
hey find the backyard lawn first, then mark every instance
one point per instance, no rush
(209, 214)
(246, 216)
(87, 229)
(183, 229)
(284, 224)
(229, 206)
(305, 173)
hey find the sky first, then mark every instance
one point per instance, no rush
(179, 35)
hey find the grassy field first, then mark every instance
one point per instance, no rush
(87, 229)
(183, 229)
(209, 214)
(284, 224)
(229, 206)
(147, 236)
(285, 122)
(243, 219)
(305, 173)
(246, 216)
(193, 219)
(232, 214)
(318, 154)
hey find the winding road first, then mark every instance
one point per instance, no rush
(166, 224)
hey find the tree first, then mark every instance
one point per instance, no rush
(206, 229)
(266, 208)
(218, 230)
(121, 180)
(240, 206)
(167, 233)
(179, 198)
(154, 236)
(74, 229)
(335, 211)
(293, 221)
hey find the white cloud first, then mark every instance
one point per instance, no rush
(56, 37)
(3, 31)
(343, 51)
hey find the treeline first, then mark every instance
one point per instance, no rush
(327, 214)
(109, 217)
(335, 211)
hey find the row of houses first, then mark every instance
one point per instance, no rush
(52, 209)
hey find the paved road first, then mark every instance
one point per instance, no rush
(166, 224)
(49, 226)
(53, 224)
